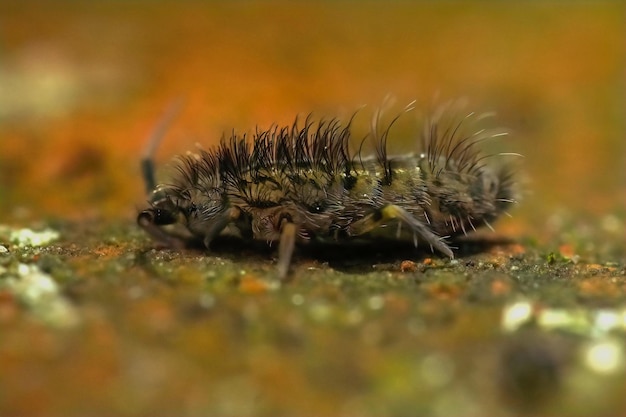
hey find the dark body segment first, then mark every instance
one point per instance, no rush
(296, 183)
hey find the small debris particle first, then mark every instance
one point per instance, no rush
(408, 266)
(3, 249)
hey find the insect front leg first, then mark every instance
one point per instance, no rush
(393, 212)
(153, 221)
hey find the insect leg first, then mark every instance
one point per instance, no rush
(286, 246)
(390, 212)
(219, 223)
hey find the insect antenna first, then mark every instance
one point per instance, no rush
(153, 141)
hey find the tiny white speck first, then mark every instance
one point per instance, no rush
(354, 316)
(604, 357)
(376, 302)
(515, 315)
(437, 370)
(206, 300)
(135, 292)
(320, 311)
(297, 299)
(612, 224)
(23, 269)
(572, 320)
(608, 320)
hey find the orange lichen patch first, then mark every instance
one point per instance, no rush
(408, 266)
(592, 269)
(9, 308)
(157, 316)
(516, 249)
(108, 251)
(428, 261)
(600, 287)
(567, 251)
(443, 290)
(500, 254)
(500, 287)
(250, 284)
(397, 303)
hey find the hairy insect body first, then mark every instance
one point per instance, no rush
(294, 184)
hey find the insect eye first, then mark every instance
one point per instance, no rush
(493, 186)
(490, 185)
(156, 216)
(349, 181)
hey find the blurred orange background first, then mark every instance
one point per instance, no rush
(83, 83)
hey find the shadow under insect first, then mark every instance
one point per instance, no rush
(356, 255)
(299, 186)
